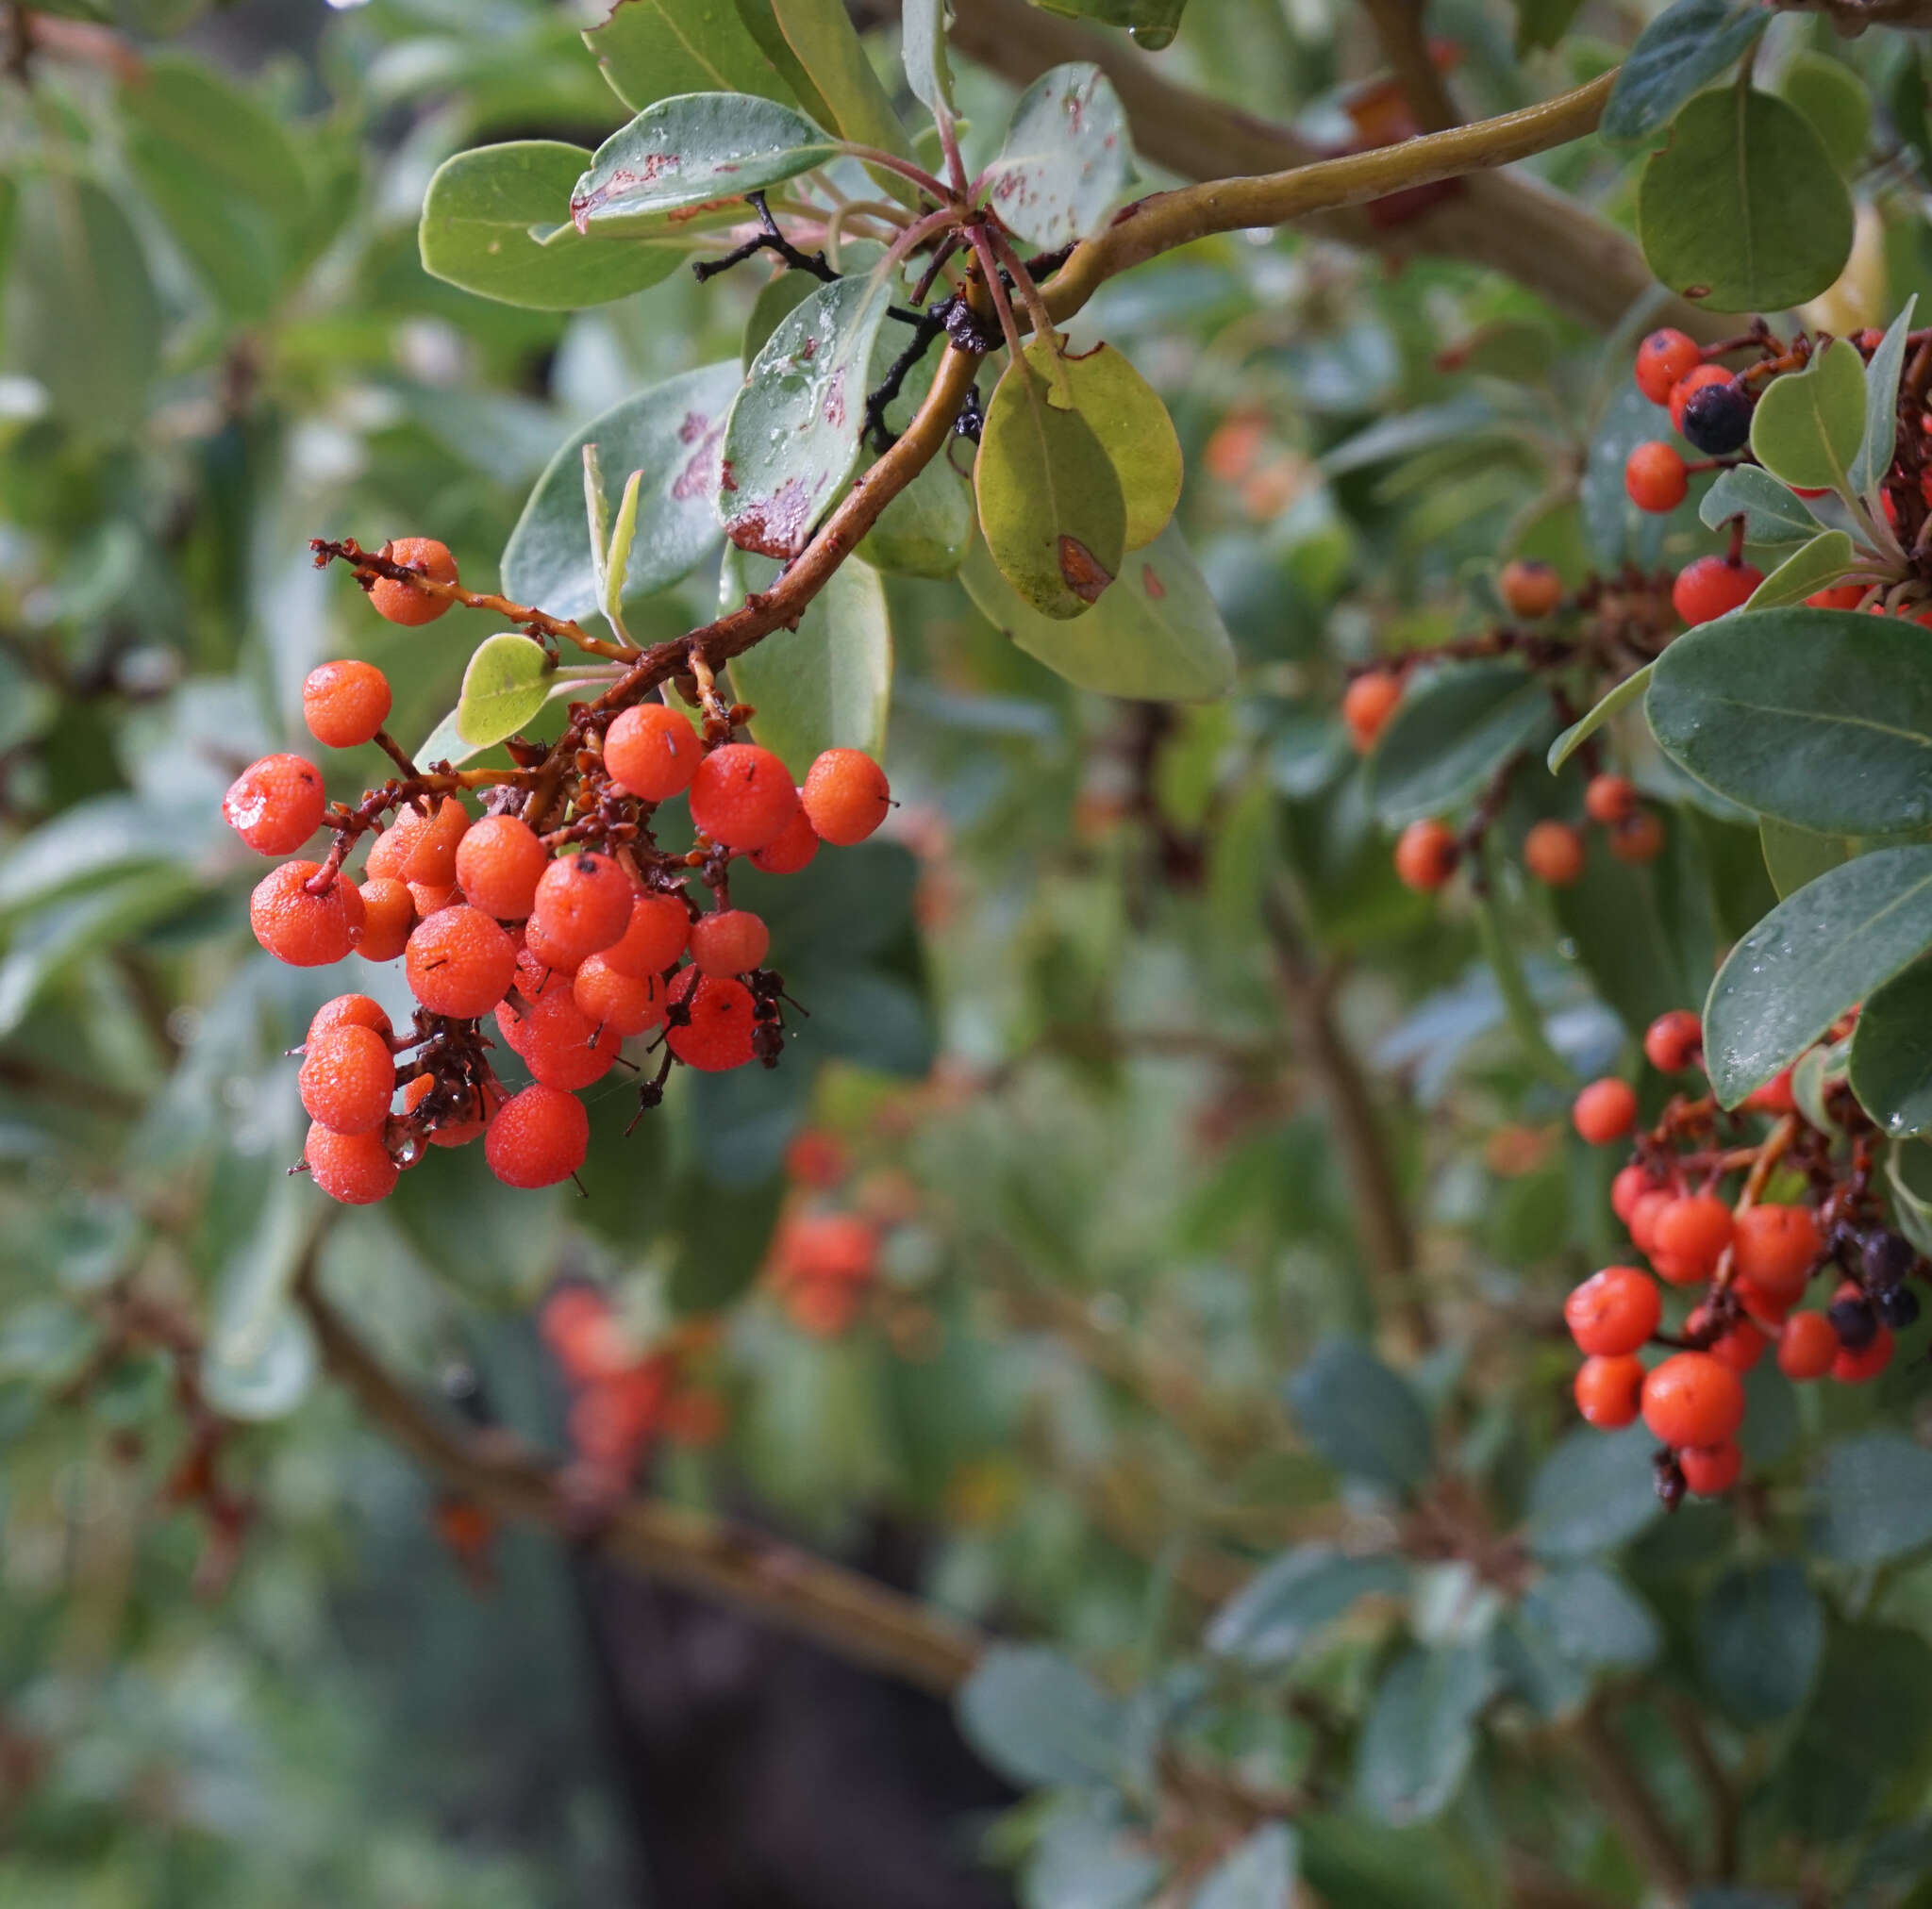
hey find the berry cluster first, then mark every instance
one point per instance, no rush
(555, 912)
(1746, 1261)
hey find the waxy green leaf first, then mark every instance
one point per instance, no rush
(1580, 732)
(505, 685)
(1808, 569)
(1126, 413)
(923, 48)
(1793, 856)
(1450, 734)
(1686, 47)
(1835, 105)
(655, 49)
(1881, 404)
(1066, 159)
(1891, 1054)
(1808, 424)
(1771, 514)
(819, 33)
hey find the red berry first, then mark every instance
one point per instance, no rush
(1644, 1215)
(1606, 1110)
(1699, 378)
(545, 955)
(1739, 1346)
(1839, 596)
(1367, 704)
(1553, 853)
(583, 905)
(388, 913)
(1776, 1248)
(1627, 1188)
(742, 796)
(1807, 1347)
(499, 863)
(460, 962)
(1713, 586)
(658, 929)
(1663, 358)
(1710, 1470)
(626, 1003)
(354, 1168)
(1693, 1399)
(794, 850)
(420, 849)
(558, 1042)
(403, 603)
(345, 704)
(350, 1011)
(729, 941)
(1655, 477)
(276, 804)
(347, 1080)
(652, 752)
(815, 1158)
(1608, 1391)
(718, 1035)
(1773, 1097)
(1529, 588)
(1673, 1040)
(1854, 1367)
(1426, 855)
(835, 1246)
(1613, 1312)
(1640, 839)
(305, 930)
(845, 796)
(1693, 1233)
(1611, 799)
(1767, 1308)
(537, 1138)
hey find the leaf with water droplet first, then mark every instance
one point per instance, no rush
(1066, 159)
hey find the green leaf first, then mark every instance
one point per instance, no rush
(260, 1359)
(1891, 1054)
(1266, 1622)
(1542, 23)
(1908, 1174)
(1625, 932)
(1362, 1418)
(654, 49)
(1156, 636)
(1418, 1739)
(445, 744)
(794, 434)
(1806, 571)
(1066, 158)
(923, 48)
(1761, 1633)
(1686, 47)
(1820, 718)
(1881, 404)
(615, 566)
(1050, 506)
(1594, 1492)
(1835, 104)
(1593, 1617)
(1793, 856)
(235, 140)
(821, 34)
(1038, 1719)
(1124, 411)
(1833, 943)
(777, 297)
(828, 684)
(505, 683)
(927, 530)
(1450, 734)
(1580, 732)
(1808, 424)
(1874, 1499)
(1257, 1873)
(1153, 23)
(1742, 210)
(230, 241)
(1771, 514)
(672, 432)
(479, 215)
(701, 149)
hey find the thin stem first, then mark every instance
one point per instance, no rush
(916, 235)
(1002, 305)
(871, 156)
(1024, 285)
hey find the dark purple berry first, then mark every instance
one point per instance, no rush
(1887, 1258)
(1897, 1305)
(1853, 1322)
(1717, 419)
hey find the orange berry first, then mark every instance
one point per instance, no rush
(1673, 1040)
(1856, 1368)
(558, 1042)
(347, 1080)
(652, 752)
(658, 929)
(1367, 704)
(345, 704)
(742, 796)
(1839, 596)
(845, 796)
(499, 863)
(1767, 1308)
(537, 1138)
(1530, 587)
(1608, 1391)
(625, 1004)
(729, 941)
(1611, 799)
(460, 962)
(1712, 586)
(1773, 1097)
(717, 1033)
(1643, 1217)
(305, 930)
(1655, 477)
(1663, 358)
(1776, 1247)
(1739, 1346)
(1693, 1230)
(354, 1168)
(350, 1011)
(403, 603)
(1691, 1399)
(1689, 386)
(826, 1246)
(1627, 1188)
(1639, 840)
(1606, 1110)
(823, 1308)
(1613, 1312)
(276, 804)
(1710, 1470)
(545, 955)
(1553, 853)
(796, 844)
(583, 905)
(1425, 855)
(388, 913)
(420, 849)
(695, 1418)
(1807, 1347)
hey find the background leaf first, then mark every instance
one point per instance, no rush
(1362, 1418)
(1760, 1634)
(1874, 1499)
(1835, 105)
(1450, 734)
(1891, 1052)
(1257, 1874)
(1038, 1719)
(1419, 1740)
(1269, 1620)
(654, 49)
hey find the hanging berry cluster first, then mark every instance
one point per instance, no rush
(555, 912)
(1694, 1199)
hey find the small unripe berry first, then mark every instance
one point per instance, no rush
(537, 1138)
(1553, 853)
(1713, 586)
(1613, 1312)
(1367, 704)
(401, 602)
(460, 962)
(276, 804)
(305, 930)
(354, 1168)
(499, 863)
(1426, 855)
(1606, 1110)
(845, 796)
(1673, 1040)
(1807, 1345)
(1663, 358)
(652, 752)
(583, 905)
(1717, 418)
(626, 1003)
(1776, 1247)
(1639, 840)
(742, 796)
(717, 1035)
(1655, 477)
(658, 929)
(388, 914)
(350, 1011)
(1710, 1470)
(1611, 799)
(796, 844)
(1701, 377)
(345, 704)
(729, 941)
(1530, 588)
(1693, 1400)
(1608, 1391)
(347, 1080)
